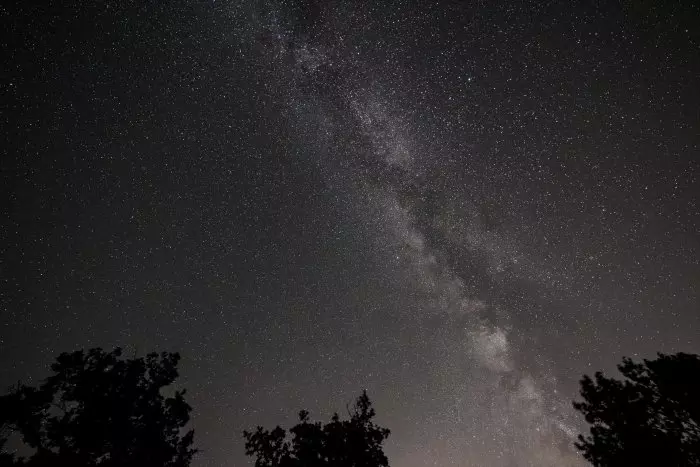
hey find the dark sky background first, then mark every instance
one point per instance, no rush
(459, 206)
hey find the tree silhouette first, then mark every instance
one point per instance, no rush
(356, 442)
(97, 409)
(651, 418)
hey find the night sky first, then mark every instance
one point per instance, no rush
(459, 206)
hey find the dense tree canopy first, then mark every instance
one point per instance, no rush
(98, 409)
(651, 418)
(356, 442)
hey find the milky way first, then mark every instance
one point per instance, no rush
(460, 207)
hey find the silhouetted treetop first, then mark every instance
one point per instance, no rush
(98, 409)
(652, 417)
(356, 442)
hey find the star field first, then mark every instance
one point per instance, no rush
(458, 206)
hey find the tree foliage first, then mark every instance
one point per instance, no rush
(652, 417)
(98, 409)
(356, 442)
